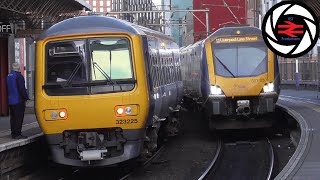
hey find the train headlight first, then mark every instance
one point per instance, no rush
(215, 90)
(55, 114)
(268, 88)
(120, 110)
(126, 110)
(62, 114)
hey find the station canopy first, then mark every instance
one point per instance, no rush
(33, 16)
(314, 5)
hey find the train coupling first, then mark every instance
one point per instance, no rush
(92, 155)
(243, 107)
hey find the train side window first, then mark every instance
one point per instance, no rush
(159, 71)
(167, 72)
(169, 68)
(163, 76)
(164, 71)
(171, 72)
(154, 77)
(175, 69)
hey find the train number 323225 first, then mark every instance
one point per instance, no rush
(127, 121)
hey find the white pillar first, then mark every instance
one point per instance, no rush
(297, 66)
(270, 4)
(315, 51)
(263, 8)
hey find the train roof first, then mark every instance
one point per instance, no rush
(233, 31)
(91, 24)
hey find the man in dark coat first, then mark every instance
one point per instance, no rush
(17, 96)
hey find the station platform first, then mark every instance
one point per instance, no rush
(304, 106)
(30, 128)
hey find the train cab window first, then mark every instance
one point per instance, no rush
(110, 58)
(111, 63)
(71, 70)
(243, 59)
(63, 59)
(65, 65)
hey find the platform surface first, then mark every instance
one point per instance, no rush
(30, 128)
(305, 107)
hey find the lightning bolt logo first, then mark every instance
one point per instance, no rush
(291, 29)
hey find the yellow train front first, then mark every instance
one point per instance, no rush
(99, 96)
(231, 73)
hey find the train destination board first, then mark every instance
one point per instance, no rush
(237, 39)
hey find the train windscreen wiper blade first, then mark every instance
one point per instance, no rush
(225, 67)
(74, 72)
(95, 65)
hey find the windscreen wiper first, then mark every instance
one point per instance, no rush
(74, 72)
(259, 66)
(225, 67)
(102, 72)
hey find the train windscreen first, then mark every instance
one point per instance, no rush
(89, 66)
(240, 57)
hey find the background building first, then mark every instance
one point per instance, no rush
(130, 13)
(165, 5)
(222, 12)
(100, 6)
(178, 20)
(254, 13)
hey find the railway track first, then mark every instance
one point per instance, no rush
(242, 160)
(145, 164)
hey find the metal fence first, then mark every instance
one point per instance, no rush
(308, 67)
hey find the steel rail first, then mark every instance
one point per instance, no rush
(271, 154)
(213, 162)
(144, 164)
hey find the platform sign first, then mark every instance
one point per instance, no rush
(6, 28)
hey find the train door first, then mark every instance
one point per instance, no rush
(3, 74)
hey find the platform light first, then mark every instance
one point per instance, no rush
(216, 90)
(163, 45)
(268, 88)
